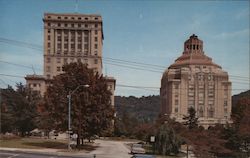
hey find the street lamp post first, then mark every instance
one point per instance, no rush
(69, 110)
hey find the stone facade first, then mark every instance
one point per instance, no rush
(70, 38)
(193, 80)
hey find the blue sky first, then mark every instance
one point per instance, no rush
(148, 31)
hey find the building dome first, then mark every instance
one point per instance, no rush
(193, 54)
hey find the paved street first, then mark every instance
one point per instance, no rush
(20, 154)
(105, 149)
(111, 149)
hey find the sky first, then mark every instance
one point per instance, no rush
(149, 31)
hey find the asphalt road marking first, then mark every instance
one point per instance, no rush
(13, 155)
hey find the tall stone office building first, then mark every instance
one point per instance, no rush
(193, 80)
(70, 38)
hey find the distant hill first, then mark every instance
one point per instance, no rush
(148, 108)
(236, 97)
(145, 109)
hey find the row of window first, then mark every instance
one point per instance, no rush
(72, 32)
(65, 60)
(193, 47)
(74, 18)
(74, 25)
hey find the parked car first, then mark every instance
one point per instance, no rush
(142, 156)
(137, 149)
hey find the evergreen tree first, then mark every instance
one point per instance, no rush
(167, 142)
(191, 119)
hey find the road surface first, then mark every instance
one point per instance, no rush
(105, 149)
(111, 149)
(20, 154)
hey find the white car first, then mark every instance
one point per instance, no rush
(137, 149)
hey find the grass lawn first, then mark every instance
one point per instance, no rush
(33, 143)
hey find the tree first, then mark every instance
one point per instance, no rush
(91, 109)
(237, 135)
(18, 109)
(167, 142)
(191, 119)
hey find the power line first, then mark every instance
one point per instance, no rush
(17, 76)
(20, 43)
(10, 63)
(136, 63)
(131, 67)
(127, 63)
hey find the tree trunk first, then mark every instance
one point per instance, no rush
(82, 141)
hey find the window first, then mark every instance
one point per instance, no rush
(48, 30)
(96, 32)
(65, 25)
(79, 39)
(48, 24)
(59, 46)
(210, 113)
(86, 18)
(58, 60)
(86, 39)
(86, 46)
(79, 46)
(225, 111)
(48, 60)
(96, 25)
(58, 68)
(72, 25)
(49, 17)
(201, 112)
(78, 60)
(176, 102)
(96, 18)
(95, 39)
(79, 18)
(58, 17)
(95, 46)
(48, 69)
(65, 17)
(58, 24)
(225, 102)
(59, 38)
(48, 37)
(72, 18)
(65, 60)
(65, 46)
(34, 85)
(79, 25)
(48, 44)
(95, 52)
(176, 109)
(176, 86)
(96, 61)
(86, 25)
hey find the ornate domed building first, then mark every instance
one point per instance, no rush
(193, 80)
